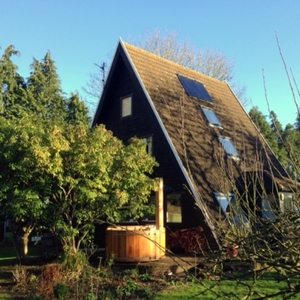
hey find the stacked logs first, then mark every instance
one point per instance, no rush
(188, 241)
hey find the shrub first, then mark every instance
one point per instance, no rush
(60, 291)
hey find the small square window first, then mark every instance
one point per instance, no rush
(228, 147)
(126, 106)
(211, 116)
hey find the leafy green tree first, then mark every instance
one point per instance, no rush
(57, 170)
(27, 145)
(100, 179)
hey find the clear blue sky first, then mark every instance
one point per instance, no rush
(81, 33)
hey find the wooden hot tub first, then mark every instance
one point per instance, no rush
(139, 243)
(136, 243)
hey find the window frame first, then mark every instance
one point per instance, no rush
(267, 213)
(126, 106)
(236, 214)
(194, 88)
(210, 120)
(149, 144)
(286, 202)
(232, 154)
(169, 215)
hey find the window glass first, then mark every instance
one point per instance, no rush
(228, 146)
(194, 88)
(231, 209)
(148, 142)
(266, 210)
(126, 106)
(211, 116)
(174, 213)
(286, 201)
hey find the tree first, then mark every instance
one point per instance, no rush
(291, 141)
(208, 62)
(45, 90)
(260, 121)
(13, 87)
(211, 63)
(99, 180)
(55, 169)
(77, 112)
(94, 87)
(27, 145)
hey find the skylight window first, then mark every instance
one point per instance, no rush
(231, 208)
(211, 116)
(194, 88)
(228, 147)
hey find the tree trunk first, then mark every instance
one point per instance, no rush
(25, 238)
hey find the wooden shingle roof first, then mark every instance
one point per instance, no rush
(194, 139)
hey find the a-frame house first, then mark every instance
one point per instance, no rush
(195, 127)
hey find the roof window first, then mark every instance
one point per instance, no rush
(231, 209)
(211, 116)
(228, 147)
(194, 88)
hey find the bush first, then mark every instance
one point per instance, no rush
(60, 291)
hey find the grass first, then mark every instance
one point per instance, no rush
(8, 254)
(5, 297)
(267, 285)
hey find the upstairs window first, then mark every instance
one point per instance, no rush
(126, 107)
(211, 116)
(231, 209)
(194, 88)
(228, 147)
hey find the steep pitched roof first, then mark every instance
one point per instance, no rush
(194, 142)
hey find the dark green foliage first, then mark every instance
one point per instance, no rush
(285, 143)
(13, 94)
(34, 297)
(60, 291)
(260, 121)
(77, 112)
(45, 91)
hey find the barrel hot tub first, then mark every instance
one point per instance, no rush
(136, 243)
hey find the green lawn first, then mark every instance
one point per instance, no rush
(8, 254)
(5, 297)
(225, 289)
